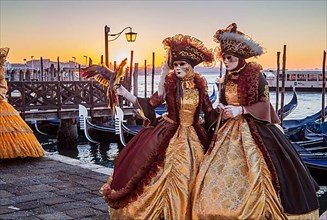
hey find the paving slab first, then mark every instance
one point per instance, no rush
(51, 187)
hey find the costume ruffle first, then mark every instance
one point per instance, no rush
(16, 137)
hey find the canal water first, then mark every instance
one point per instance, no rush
(104, 154)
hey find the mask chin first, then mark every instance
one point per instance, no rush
(230, 61)
(182, 69)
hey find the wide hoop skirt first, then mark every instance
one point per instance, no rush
(168, 195)
(235, 180)
(16, 137)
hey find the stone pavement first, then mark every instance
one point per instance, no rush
(55, 187)
(51, 187)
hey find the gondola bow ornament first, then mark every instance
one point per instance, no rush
(107, 77)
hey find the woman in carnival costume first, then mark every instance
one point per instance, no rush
(155, 173)
(16, 137)
(252, 171)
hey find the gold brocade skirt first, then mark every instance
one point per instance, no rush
(234, 181)
(16, 137)
(169, 193)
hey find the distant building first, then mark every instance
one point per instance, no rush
(36, 65)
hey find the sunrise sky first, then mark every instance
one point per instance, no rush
(76, 28)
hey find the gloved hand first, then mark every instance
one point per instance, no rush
(221, 80)
(164, 72)
(122, 91)
(232, 111)
(220, 107)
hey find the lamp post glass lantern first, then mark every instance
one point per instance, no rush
(130, 37)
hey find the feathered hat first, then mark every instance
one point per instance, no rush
(187, 48)
(236, 43)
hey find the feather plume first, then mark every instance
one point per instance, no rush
(106, 77)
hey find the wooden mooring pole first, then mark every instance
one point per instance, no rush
(283, 86)
(58, 69)
(323, 87)
(67, 133)
(135, 79)
(277, 80)
(130, 71)
(145, 80)
(41, 60)
(153, 70)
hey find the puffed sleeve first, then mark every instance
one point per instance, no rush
(263, 110)
(146, 108)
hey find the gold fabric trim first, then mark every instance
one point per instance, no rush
(141, 114)
(266, 92)
(166, 118)
(314, 215)
(231, 93)
(188, 83)
(239, 70)
(190, 102)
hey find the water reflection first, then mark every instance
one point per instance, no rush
(102, 154)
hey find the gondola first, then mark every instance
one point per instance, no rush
(289, 107)
(312, 148)
(314, 155)
(295, 123)
(45, 127)
(310, 127)
(119, 131)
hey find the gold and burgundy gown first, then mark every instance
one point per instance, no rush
(164, 190)
(16, 137)
(252, 172)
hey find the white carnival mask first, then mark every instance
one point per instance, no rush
(182, 69)
(230, 61)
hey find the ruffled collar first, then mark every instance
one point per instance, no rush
(188, 82)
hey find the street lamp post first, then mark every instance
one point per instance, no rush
(130, 37)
